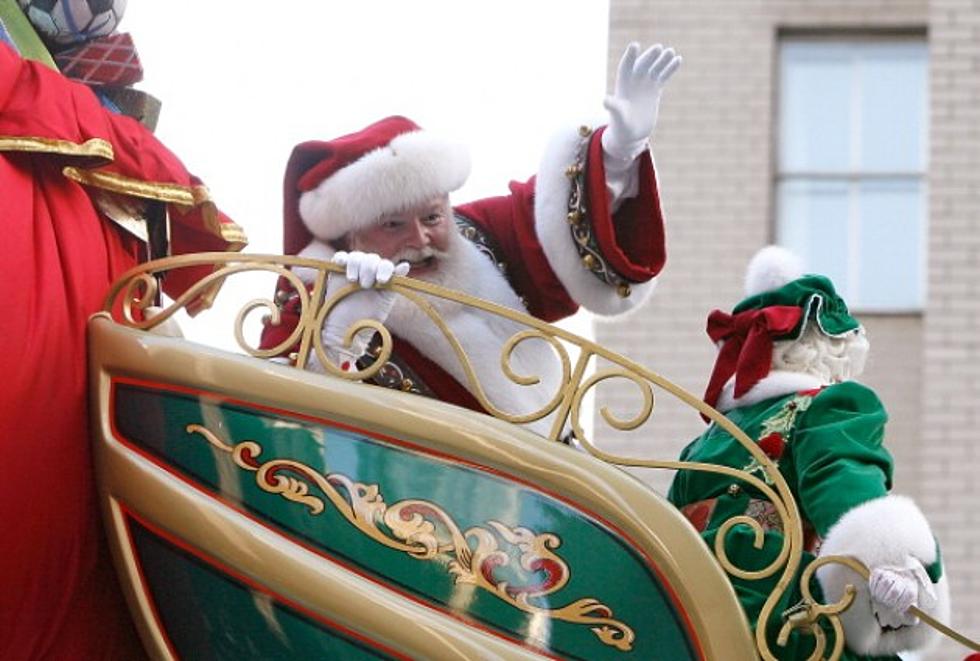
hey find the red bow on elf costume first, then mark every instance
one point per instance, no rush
(747, 350)
(780, 313)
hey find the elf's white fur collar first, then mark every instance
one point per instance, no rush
(776, 384)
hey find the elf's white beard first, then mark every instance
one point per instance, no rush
(831, 359)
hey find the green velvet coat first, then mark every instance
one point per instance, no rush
(830, 454)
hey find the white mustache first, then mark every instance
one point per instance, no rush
(414, 255)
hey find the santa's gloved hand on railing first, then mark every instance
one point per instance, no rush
(366, 270)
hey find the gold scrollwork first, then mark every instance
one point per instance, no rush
(424, 530)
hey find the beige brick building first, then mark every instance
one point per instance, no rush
(717, 149)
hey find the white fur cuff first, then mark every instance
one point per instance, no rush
(883, 532)
(551, 193)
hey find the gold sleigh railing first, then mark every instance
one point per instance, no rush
(137, 289)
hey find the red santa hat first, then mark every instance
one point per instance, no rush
(334, 187)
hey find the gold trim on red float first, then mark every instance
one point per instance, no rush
(95, 148)
(97, 152)
(184, 197)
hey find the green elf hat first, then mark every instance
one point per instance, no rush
(781, 303)
(816, 296)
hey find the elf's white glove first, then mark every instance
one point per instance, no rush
(894, 589)
(367, 270)
(635, 101)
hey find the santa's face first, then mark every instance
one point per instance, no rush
(419, 235)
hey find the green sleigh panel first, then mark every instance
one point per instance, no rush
(259, 511)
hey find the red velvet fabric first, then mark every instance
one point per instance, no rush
(60, 598)
(509, 221)
(633, 240)
(747, 352)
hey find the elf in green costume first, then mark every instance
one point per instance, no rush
(787, 358)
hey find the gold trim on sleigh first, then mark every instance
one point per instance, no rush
(138, 287)
(415, 527)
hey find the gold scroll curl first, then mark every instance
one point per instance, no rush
(359, 326)
(646, 410)
(139, 293)
(138, 289)
(472, 380)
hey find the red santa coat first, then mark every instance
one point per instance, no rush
(60, 599)
(538, 270)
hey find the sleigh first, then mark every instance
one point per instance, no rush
(259, 510)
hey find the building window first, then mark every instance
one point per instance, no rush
(851, 175)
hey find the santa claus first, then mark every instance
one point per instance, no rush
(788, 358)
(586, 231)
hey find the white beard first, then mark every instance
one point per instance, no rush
(481, 334)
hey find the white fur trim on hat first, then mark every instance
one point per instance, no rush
(411, 169)
(880, 533)
(771, 268)
(551, 190)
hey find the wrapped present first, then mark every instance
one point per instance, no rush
(110, 60)
(135, 103)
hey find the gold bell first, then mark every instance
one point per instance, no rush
(624, 290)
(584, 131)
(590, 262)
(407, 384)
(574, 217)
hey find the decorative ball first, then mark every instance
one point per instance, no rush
(63, 23)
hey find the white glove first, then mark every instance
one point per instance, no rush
(894, 589)
(366, 269)
(635, 101)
